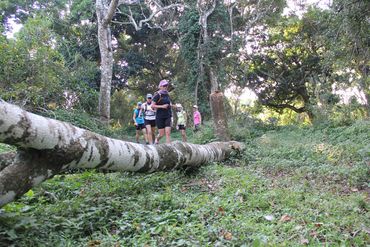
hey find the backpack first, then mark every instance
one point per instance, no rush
(160, 96)
(137, 113)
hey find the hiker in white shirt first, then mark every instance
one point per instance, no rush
(149, 117)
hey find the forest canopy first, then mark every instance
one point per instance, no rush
(292, 61)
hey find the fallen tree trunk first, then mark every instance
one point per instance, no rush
(6, 159)
(47, 147)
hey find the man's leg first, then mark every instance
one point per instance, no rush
(183, 133)
(137, 135)
(168, 134)
(145, 135)
(149, 133)
(159, 136)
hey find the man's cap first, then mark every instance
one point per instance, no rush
(139, 103)
(178, 105)
(149, 95)
(195, 106)
(163, 83)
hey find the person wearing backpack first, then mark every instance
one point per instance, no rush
(181, 121)
(138, 118)
(149, 118)
(162, 104)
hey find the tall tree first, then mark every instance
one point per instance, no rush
(30, 64)
(287, 65)
(205, 9)
(347, 34)
(104, 13)
(219, 34)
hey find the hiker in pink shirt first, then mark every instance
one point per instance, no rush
(197, 118)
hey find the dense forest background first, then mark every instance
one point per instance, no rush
(295, 76)
(298, 64)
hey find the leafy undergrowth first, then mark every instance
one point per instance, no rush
(292, 187)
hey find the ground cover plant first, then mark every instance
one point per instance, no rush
(292, 186)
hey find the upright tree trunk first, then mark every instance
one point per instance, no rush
(218, 110)
(230, 8)
(47, 147)
(365, 87)
(106, 69)
(200, 78)
(104, 13)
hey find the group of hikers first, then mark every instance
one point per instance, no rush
(156, 112)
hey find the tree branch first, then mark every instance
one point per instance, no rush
(111, 11)
(139, 26)
(284, 106)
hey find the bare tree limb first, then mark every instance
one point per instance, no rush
(139, 26)
(111, 11)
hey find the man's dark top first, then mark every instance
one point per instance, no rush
(162, 98)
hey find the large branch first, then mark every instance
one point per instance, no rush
(139, 26)
(111, 11)
(285, 106)
(47, 147)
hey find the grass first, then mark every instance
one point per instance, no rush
(293, 186)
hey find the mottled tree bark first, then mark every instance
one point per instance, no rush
(6, 159)
(47, 147)
(219, 116)
(104, 13)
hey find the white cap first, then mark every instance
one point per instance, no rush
(195, 106)
(178, 105)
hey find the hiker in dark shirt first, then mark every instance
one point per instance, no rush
(162, 103)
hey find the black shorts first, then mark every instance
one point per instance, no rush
(181, 127)
(140, 126)
(163, 122)
(150, 122)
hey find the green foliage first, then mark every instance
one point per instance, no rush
(350, 49)
(122, 105)
(76, 117)
(5, 148)
(189, 30)
(84, 120)
(82, 10)
(37, 66)
(245, 127)
(285, 69)
(80, 85)
(205, 134)
(334, 153)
